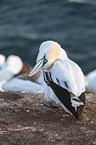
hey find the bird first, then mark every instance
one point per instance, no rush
(22, 86)
(12, 66)
(90, 82)
(2, 60)
(63, 79)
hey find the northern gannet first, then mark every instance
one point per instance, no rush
(2, 60)
(22, 86)
(63, 79)
(12, 66)
(91, 81)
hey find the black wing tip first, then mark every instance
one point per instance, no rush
(64, 96)
(80, 108)
(76, 115)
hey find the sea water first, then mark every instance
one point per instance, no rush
(24, 25)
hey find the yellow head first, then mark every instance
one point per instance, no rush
(49, 52)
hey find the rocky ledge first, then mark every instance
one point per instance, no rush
(24, 120)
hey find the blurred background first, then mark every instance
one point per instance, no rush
(24, 24)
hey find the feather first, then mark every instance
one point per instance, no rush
(64, 81)
(65, 96)
(62, 94)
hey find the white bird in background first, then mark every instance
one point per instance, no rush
(63, 79)
(91, 81)
(12, 66)
(22, 86)
(2, 60)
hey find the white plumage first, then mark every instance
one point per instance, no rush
(2, 60)
(23, 86)
(12, 66)
(91, 81)
(69, 76)
(63, 79)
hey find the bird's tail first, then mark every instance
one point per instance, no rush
(80, 108)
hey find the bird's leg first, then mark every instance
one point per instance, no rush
(49, 104)
(75, 108)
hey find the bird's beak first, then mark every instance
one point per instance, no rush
(36, 68)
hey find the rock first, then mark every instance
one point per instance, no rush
(24, 120)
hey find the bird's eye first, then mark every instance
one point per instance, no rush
(45, 61)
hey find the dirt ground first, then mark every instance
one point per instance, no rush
(24, 120)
